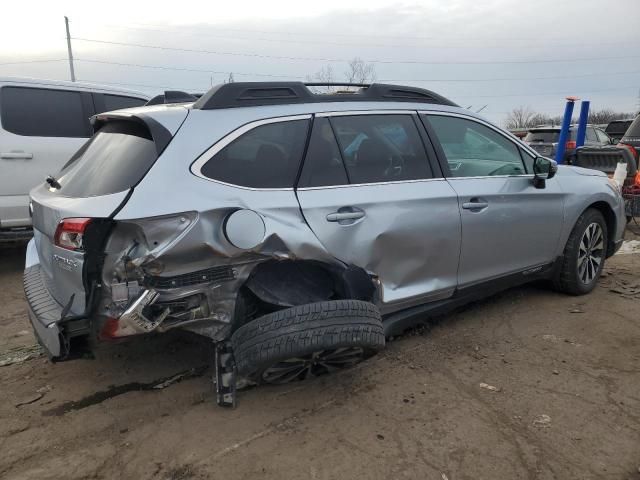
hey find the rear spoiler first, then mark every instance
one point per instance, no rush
(159, 134)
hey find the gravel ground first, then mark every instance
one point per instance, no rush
(527, 384)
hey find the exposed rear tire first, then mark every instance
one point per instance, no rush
(307, 340)
(584, 255)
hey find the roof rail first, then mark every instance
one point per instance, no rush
(251, 94)
(173, 96)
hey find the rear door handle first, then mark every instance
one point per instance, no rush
(475, 205)
(16, 155)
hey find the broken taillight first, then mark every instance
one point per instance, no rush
(70, 233)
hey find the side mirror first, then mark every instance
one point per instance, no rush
(543, 170)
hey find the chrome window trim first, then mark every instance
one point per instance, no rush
(365, 112)
(196, 166)
(397, 182)
(518, 143)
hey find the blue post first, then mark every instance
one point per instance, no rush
(564, 132)
(582, 123)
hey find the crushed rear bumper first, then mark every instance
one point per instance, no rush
(44, 312)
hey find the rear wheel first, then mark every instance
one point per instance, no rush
(307, 341)
(584, 255)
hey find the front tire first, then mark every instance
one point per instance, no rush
(307, 341)
(584, 255)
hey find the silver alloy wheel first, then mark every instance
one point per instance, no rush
(317, 363)
(590, 253)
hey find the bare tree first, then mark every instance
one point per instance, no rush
(606, 115)
(520, 117)
(324, 75)
(360, 72)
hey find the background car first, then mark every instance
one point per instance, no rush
(544, 140)
(43, 122)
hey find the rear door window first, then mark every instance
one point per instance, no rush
(591, 135)
(115, 159)
(267, 156)
(602, 137)
(40, 112)
(117, 102)
(381, 148)
(323, 164)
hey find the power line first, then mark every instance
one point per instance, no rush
(453, 80)
(171, 87)
(545, 94)
(375, 35)
(180, 69)
(34, 61)
(343, 44)
(318, 59)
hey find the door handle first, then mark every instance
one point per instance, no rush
(16, 155)
(339, 216)
(475, 205)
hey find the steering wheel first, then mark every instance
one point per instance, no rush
(508, 169)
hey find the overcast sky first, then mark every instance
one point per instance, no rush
(499, 53)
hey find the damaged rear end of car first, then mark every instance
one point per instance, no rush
(73, 217)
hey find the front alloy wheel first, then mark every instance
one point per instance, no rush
(591, 253)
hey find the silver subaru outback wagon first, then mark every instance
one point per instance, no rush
(297, 230)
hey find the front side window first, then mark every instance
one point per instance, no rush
(267, 156)
(40, 112)
(475, 150)
(381, 148)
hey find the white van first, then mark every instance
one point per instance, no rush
(42, 124)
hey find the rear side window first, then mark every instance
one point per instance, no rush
(591, 135)
(267, 156)
(116, 102)
(323, 164)
(617, 128)
(114, 160)
(381, 148)
(39, 112)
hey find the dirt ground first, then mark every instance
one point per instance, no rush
(528, 384)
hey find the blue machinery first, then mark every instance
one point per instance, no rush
(566, 125)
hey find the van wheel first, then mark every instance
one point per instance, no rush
(307, 341)
(584, 255)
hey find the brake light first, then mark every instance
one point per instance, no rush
(70, 233)
(570, 144)
(636, 179)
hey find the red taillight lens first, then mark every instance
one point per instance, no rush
(636, 179)
(70, 233)
(571, 144)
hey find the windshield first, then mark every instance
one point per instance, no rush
(115, 159)
(618, 127)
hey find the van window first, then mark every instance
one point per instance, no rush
(116, 102)
(267, 156)
(40, 112)
(115, 159)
